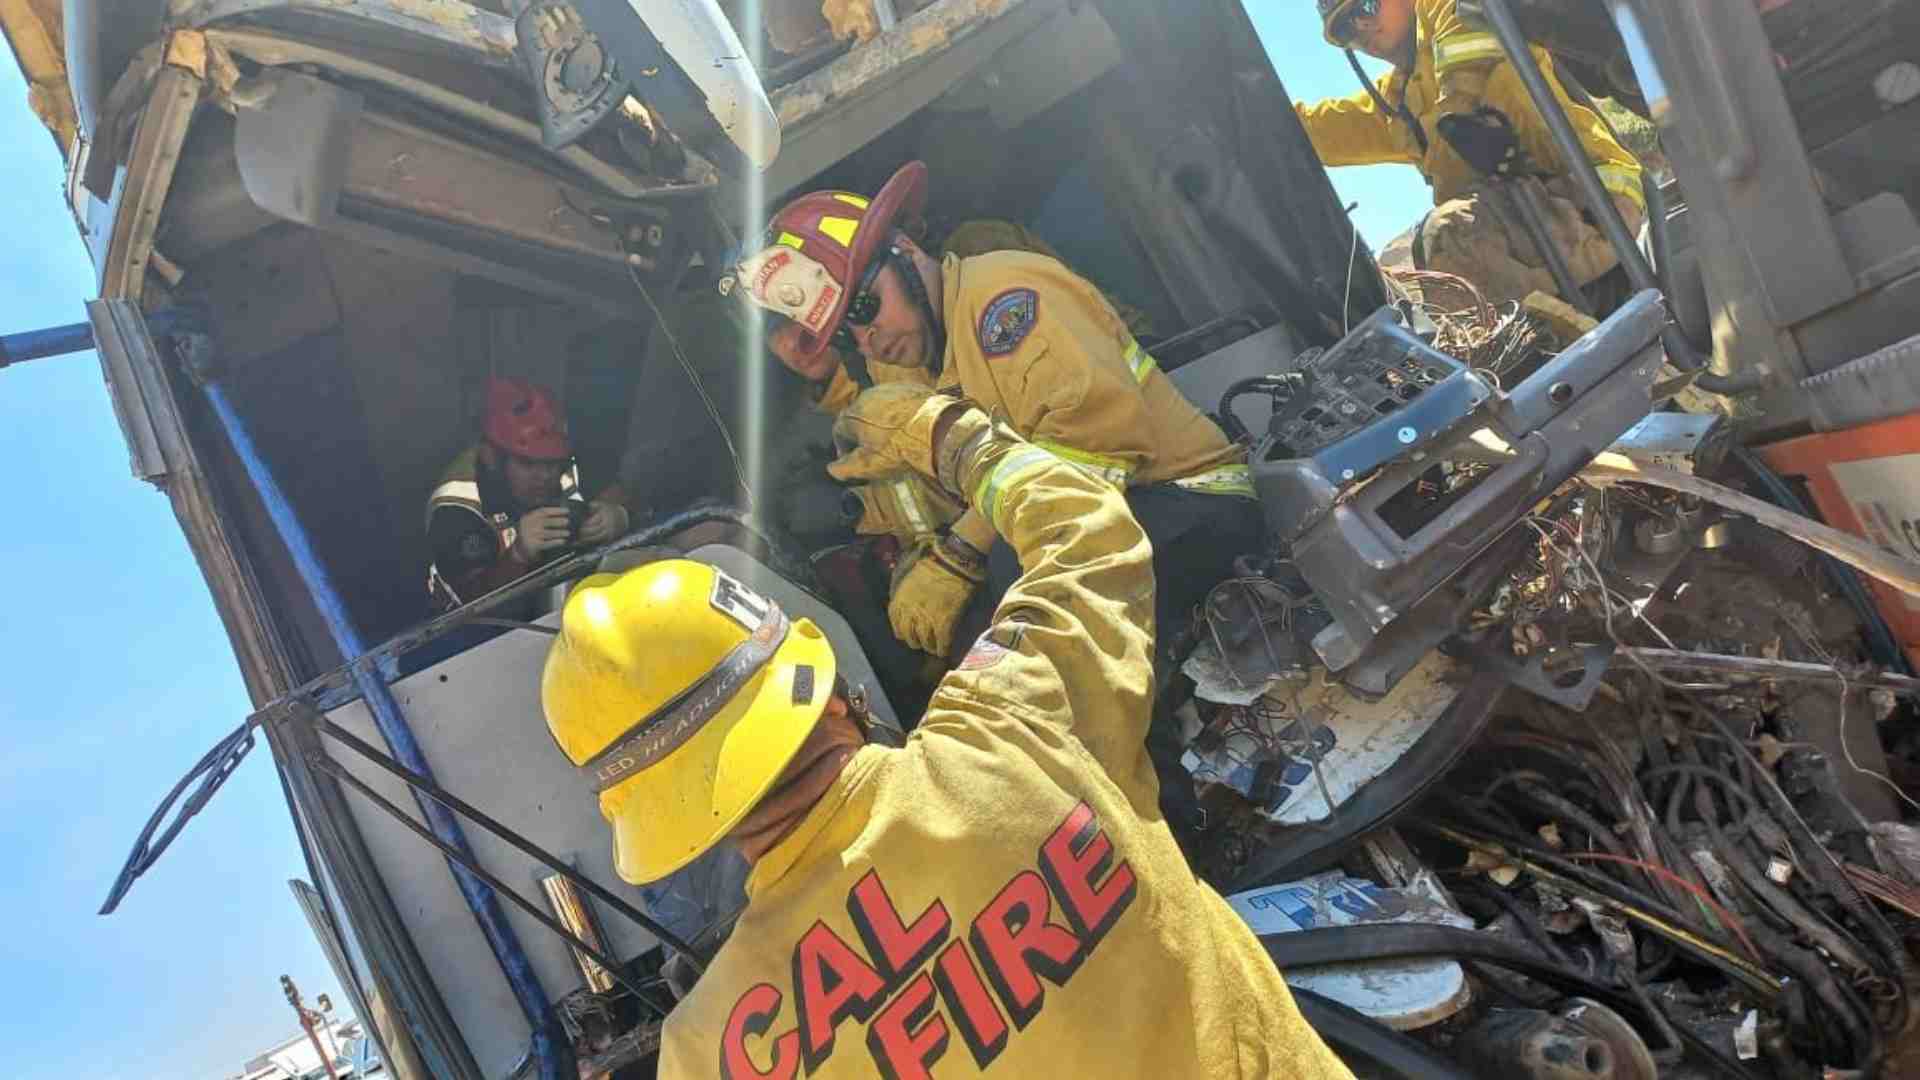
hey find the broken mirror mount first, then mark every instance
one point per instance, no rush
(1330, 504)
(576, 80)
(671, 95)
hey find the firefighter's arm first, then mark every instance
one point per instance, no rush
(1075, 401)
(1619, 169)
(1071, 645)
(1464, 53)
(1351, 131)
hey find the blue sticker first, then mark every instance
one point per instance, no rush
(1008, 320)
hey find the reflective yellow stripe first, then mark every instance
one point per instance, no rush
(1111, 470)
(1465, 49)
(1140, 362)
(840, 228)
(1225, 480)
(1623, 182)
(1007, 475)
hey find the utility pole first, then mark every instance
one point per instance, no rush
(309, 1018)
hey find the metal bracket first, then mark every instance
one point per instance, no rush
(1531, 674)
(1372, 576)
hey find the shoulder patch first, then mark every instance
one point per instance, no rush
(1007, 320)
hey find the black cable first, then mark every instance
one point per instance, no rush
(1639, 907)
(1278, 387)
(1405, 941)
(1359, 1039)
(1701, 772)
(1527, 919)
(1819, 865)
(1400, 112)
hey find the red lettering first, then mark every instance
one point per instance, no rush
(752, 1015)
(972, 1006)
(909, 1035)
(831, 983)
(1073, 858)
(1017, 946)
(900, 950)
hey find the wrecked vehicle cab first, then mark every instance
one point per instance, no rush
(1480, 621)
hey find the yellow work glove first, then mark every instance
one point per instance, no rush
(907, 506)
(893, 426)
(931, 588)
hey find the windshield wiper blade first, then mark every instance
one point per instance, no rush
(211, 771)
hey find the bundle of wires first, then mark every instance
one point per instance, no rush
(1669, 821)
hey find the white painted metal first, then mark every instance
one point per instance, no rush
(1402, 994)
(478, 718)
(697, 34)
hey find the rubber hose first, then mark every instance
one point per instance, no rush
(1361, 1040)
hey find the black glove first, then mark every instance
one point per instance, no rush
(1484, 139)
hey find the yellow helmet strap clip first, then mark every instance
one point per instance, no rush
(667, 728)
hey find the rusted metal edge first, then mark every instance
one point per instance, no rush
(912, 41)
(481, 35)
(273, 50)
(1758, 667)
(150, 167)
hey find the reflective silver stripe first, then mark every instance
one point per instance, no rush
(1225, 480)
(1106, 469)
(1460, 49)
(668, 728)
(1140, 362)
(464, 494)
(908, 497)
(1009, 473)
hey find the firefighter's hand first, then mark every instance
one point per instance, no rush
(1484, 139)
(930, 589)
(541, 532)
(604, 521)
(895, 427)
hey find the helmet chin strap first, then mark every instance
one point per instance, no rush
(917, 288)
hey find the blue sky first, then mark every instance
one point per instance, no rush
(120, 677)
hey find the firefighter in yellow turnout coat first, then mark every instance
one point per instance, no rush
(998, 896)
(1022, 335)
(905, 508)
(1454, 108)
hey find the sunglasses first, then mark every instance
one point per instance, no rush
(1341, 29)
(863, 308)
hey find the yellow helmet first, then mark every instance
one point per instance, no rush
(680, 695)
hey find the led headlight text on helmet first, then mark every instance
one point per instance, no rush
(670, 726)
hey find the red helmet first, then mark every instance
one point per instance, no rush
(525, 421)
(819, 246)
